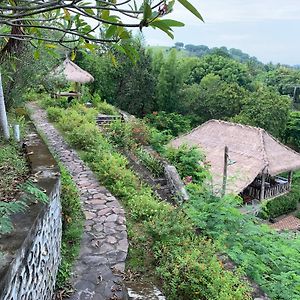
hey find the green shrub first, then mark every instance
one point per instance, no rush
(54, 113)
(151, 162)
(187, 162)
(46, 101)
(70, 120)
(158, 139)
(89, 114)
(272, 260)
(174, 123)
(188, 265)
(144, 206)
(84, 136)
(105, 108)
(280, 205)
(130, 134)
(73, 220)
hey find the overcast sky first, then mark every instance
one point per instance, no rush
(267, 29)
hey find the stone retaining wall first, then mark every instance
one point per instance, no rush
(30, 255)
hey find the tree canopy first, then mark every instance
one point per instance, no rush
(75, 23)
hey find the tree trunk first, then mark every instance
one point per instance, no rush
(3, 116)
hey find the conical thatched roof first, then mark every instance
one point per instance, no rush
(72, 72)
(252, 150)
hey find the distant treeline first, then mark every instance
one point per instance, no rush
(201, 50)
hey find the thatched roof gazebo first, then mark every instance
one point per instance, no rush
(255, 158)
(71, 72)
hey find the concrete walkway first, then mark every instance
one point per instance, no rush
(104, 243)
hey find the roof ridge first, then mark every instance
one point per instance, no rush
(263, 146)
(235, 124)
(281, 144)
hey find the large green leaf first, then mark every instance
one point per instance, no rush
(172, 23)
(163, 26)
(191, 8)
(111, 31)
(147, 10)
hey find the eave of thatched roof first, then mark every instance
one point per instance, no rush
(72, 72)
(253, 149)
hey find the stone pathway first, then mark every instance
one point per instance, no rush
(104, 243)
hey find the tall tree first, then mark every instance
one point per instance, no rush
(228, 69)
(169, 83)
(267, 109)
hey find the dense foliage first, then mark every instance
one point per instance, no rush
(211, 86)
(271, 259)
(198, 272)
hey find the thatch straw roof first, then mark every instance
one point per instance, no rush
(72, 72)
(253, 150)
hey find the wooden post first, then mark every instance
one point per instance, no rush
(290, 178)
(225, 171)
(262, 189)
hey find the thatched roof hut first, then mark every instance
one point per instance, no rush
(72, 72)
(252, 152)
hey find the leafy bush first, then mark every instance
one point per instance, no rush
(90, 114)
(105, 108)
(174, 123)
(270, 259)
(190, 272)
(187, 162)
(158, 139)
(143, 206)
(73, 220)
(130, 134)
(54, 113)
(13, 169)
(70, 120)
(46, 101)
(151, 162)
(84, 136)
(281, 205)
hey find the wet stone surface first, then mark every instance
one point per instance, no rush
(104, 245)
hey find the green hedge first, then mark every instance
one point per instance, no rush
(280, 205)
(72, 219)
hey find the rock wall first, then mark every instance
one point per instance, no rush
(33, 272)
(175, 183)
(30, 255)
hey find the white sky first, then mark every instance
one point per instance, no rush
(267, 29)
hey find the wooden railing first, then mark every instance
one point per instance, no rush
(277, 190)
(270, 191)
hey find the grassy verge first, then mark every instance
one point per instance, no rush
(73, 219)
(162, 238)
(13, 170)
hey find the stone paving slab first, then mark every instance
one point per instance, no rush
(104, 243)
